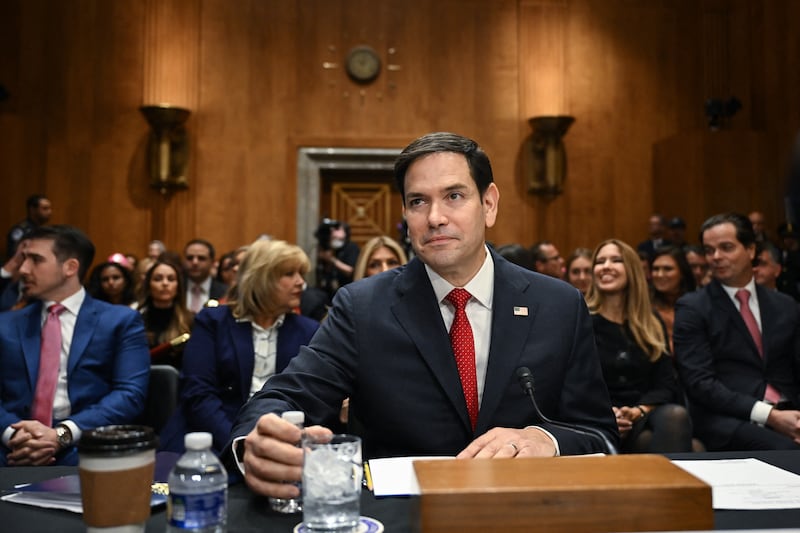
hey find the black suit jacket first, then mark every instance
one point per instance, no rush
(384, 345)
(720, 364)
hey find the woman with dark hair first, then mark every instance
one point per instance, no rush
(167, 321)
(226, 272)
(112, 283)
(235, 348)
(641, 380)
(671, 278)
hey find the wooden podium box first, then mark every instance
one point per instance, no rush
(589, 493)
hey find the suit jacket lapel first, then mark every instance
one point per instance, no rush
(770, 318)
(242, 337)
(723, 302)
(30, 334)
(85, 325)
(508, 336)
(415, 299)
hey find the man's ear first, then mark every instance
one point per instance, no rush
(70, 267)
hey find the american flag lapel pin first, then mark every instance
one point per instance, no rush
(520, 311)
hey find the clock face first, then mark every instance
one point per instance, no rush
(363, 64)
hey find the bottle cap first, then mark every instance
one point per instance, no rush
(294, 417)
(198, 441)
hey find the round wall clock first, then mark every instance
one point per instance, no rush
(363, 64)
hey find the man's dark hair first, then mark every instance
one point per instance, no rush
(744, 228)
(68, 243)
(479, 166)
(771, 249)
(33, 201)
(537, 252)
(204, 243)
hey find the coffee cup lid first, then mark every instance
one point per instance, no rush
(117, 440)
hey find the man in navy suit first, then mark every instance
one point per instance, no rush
(103, 365)
(737, 346)
(385, 343)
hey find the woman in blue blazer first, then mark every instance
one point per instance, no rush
(235, 348)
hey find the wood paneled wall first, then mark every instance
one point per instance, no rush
(634, 73)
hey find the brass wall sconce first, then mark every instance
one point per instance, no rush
(167, 147)
(548, 168)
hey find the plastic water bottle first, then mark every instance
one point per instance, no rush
(198, 489)
(291, 505)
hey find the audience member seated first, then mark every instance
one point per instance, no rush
(769, 273)
(517, 254)
(644, 390)
(743, 390)
(696, 258)
(676, 232)
(69, 362)
(112, 283)
(226, 272)
(759, 225)
(378, 255)
(579, 269)
(235, 348)
(198, 262)
(547, 259)
(656, 229)
(166, 318)
(671, 278)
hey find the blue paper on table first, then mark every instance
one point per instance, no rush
(65, 492)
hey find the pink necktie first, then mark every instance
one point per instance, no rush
(464, 350)
(49, 361)
(197, 299)
(743, 295)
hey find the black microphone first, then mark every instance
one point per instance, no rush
(526, 382)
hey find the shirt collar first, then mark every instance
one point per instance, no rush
(71, 303)
(731, 291)
(481, 286)
(205, 285)
(275, 325)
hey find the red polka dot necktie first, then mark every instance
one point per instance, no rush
(49, 361)
(743, 295)
(464, 350)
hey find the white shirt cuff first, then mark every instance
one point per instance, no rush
(234, 447)
(74, 429)
(7, 434)
(552, 438)
(4, 273)
(760, 412)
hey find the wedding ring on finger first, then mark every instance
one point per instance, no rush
(516, 448)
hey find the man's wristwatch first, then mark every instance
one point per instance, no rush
(64, 435)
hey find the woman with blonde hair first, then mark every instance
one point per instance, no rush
(631, 343)
(235, 348)
(378, 255)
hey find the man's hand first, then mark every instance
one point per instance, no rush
(786, 423)
(12, 265)
(33, 443)
(508, 442)
(271, 456)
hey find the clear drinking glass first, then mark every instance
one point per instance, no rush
(332, 472)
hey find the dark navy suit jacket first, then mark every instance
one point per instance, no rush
(108, 365)
(385, 345)
(719, 363)
(217, 372)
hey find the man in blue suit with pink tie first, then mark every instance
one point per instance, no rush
(68, 362)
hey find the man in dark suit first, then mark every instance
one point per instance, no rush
(656, 227)
(99, 366)
(198, 260)
(385, 343)
(737, 347)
